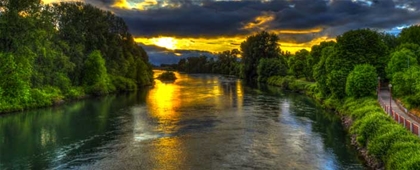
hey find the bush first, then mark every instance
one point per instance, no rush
(366, 128)
(268, 67)
(336, 82)
(168, 76)
(123, 84)
(388, 135)
(405, 159)
(360, 112)
(400, 61)
(75, 93)
(362, 81)
(96, 78)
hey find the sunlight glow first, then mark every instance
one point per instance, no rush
(260, 22)
(219, 44)
(145, 4)
(164, 99)
(167, 42)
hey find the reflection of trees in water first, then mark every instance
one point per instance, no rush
(325, 123)
(232, 89)
(53, 136)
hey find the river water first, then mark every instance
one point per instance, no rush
(197, 122)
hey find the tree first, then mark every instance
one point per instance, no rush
(390, 40)
(412, 47)
(261, 45)
(363, 46)
(405, 82)
(320, 72)
(400, 61)
(410, 35)
(96, 78)
(354, 47)
(14, 84)
(268, 67)
(362, 81)
(316, 50)
(298, 65)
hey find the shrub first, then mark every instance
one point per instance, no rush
(360, 112)
(388, 135)
(268, 67)
(168, 76)
(96, 78)
(123, 84)
(362, 81)
(367, 127)
(75, 93)
(400, 61)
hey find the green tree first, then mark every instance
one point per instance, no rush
(320, 72)
(363, 46)
(298, 65)
(316, 51)
(412, 47)
(96, 78)
(255, 47)
(400, 61)
(354, 47)
(410, 35)
(268, 67)
(14, 84)
(362, 81)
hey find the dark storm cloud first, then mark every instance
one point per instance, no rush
(227, 18)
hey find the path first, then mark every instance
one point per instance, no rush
(398, 113)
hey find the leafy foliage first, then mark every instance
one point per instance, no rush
(44, 53)
(400, 61)
(298, 64)
(268, 67)
(362, 81)
(226, 62)
(168, 75)
(261, 45)
(410, 35)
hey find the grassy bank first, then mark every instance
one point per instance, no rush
(382, 141)
(50, 96)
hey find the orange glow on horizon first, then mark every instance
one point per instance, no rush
(219, 44)
(144, 4)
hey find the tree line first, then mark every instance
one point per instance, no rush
(49, 53)
(349, 66)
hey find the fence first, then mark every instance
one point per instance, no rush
(411, 126)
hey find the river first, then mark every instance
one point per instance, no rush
(200, 121)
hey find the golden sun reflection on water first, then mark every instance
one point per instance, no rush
(169, 154)
(170, 104)
(163, 98)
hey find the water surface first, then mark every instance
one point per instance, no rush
(197, 122)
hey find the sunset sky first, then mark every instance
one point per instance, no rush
(168, 29)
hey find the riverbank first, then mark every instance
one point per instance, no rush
(52, 96)
(382, 142)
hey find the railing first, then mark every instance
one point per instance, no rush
(413, 127)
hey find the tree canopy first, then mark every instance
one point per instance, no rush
(58, 48)
(255, 47)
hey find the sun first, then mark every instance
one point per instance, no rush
(167, 42)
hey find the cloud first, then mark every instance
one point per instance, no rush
(216, 25)
(208, 18)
